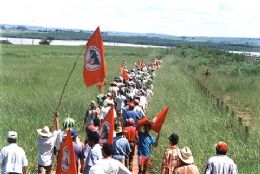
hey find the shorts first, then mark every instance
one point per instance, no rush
(143, 160)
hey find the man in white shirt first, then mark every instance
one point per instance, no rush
(46, 143)
(108, 165)
(12, 157)
(221, 164)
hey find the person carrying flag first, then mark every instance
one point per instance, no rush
(145, 141)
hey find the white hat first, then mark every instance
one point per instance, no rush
(185, 155)
(12, 135)
(44, 132)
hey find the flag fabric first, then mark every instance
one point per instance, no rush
(124, 73)
(66, 157)
(94, 69)
(159, 120)
(107, 128)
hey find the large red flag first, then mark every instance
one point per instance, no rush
(107, 128)
(66, 157)
(159, 120)
(94, 70)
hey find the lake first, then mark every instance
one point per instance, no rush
(28, 41)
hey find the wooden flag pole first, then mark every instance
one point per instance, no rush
(67, 81)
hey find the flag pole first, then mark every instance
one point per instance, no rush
(67, 81)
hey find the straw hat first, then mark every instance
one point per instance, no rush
(185, 155)
(44, 132)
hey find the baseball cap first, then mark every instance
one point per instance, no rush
(12, 135)
(221, 146)
(74, 133)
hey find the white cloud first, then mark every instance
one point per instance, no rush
(187, 17)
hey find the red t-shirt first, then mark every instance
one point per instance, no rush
(130, 133)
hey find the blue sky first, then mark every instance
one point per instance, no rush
(229, 18)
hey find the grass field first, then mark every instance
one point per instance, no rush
(32, 78)
(199, 124)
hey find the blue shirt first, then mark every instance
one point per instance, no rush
(144, 144)
(121, 146)
(131, 114)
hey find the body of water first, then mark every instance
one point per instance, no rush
(253, 54)
(28, 41)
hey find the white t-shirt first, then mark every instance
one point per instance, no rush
(46, 147)
(12, 159)
(120, 102)
(109, 166)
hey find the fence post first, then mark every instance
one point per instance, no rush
(246, 133)
(227, 108)
(240, 120)
(221, 105)
(217, 102)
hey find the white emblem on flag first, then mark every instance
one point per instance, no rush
(65, 160)
(93, 58)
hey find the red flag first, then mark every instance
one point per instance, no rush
(66, 158)
(159, 120)
(94, 70)
(124, 73)
(107, 128)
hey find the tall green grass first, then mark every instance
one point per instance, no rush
(199, 124)
(31, 80)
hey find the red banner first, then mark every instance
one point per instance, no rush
(66, 158)
(94, 70)
(107, 128)
(159, 120)
(124, 73)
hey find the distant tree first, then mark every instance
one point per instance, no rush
(46, 41)
(22, 28)
(3, 28)
(5, 42)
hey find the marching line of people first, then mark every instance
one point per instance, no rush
(129, 95)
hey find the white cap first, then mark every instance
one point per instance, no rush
(12, 135)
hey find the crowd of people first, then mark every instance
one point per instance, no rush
(128, 96)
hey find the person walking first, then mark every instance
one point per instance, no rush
(171, 159)
(108, 165)
(131, 135)
(46, 143)
(145, 141)
(187, 162)
(121, 147)
(91, 114)
(79, 155)
(12, 157)
(93, 153)
(221, 163)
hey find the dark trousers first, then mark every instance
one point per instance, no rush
(130, 157)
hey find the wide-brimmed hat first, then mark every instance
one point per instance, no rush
(92, 102)
(185, 155)
(221, 146)
(44, 132)
(12, 135)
